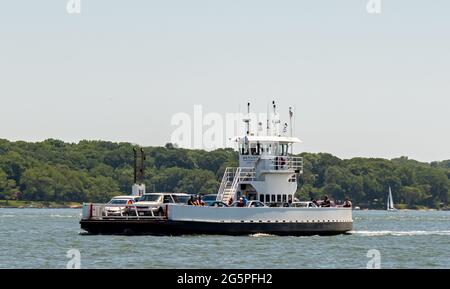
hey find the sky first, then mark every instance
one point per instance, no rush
(362, 84)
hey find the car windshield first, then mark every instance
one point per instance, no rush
(151, 198)
(182, 199)
(118, 201)
(210, 198)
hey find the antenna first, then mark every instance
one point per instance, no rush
(290, 119)
(268, 121)
(294, 109)
(285, 128)
(260, 128)
(275, 120)
(247, 120)
(248, 117)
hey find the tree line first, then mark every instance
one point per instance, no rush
(53, 170)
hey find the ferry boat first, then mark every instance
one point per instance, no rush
(267, 172)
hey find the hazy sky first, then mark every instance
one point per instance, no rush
(362, 84)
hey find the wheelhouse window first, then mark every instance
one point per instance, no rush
(267, 149)
(167, 199)
(273, 198)
(244, 149)
(261, 198)
(282, 149)
(284, 198)
(278, 198)
(255, 149)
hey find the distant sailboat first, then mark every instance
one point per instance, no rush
(390, 201)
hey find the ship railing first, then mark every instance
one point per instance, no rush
(246, 174)
(243, 174)
(284, 163)
(227, 180)
(231, 178)
(95, 211)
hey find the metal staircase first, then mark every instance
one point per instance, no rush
(231, 179)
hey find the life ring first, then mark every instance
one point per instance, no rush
(280, 161)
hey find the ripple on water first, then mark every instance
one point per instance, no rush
(400, 233)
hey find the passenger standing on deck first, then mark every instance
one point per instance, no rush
(245, 200)
(230, 201)
(191, 201)
(200, 201)
(314, 201)
(326, 202)
(240, 204)
(347, 203)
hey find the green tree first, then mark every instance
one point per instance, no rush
(7, 186)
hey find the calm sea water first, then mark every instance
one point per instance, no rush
(40, 238)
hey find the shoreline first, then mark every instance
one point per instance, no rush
(13, 204)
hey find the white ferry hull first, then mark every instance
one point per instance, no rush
(184, 220)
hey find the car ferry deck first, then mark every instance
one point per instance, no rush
(267, 172)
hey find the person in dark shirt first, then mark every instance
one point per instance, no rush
(191, 201)
(314, 201)
(326, 202)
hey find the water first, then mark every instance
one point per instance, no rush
(40, 238)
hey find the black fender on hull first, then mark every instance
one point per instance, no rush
(174, 228)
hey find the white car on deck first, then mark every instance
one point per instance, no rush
(154, 204)
(307, 204)
(117, 205)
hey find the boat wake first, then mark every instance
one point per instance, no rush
(400, 233)
(258, 235)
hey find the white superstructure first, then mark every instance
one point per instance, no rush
(267, 169)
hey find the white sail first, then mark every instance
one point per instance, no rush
(390, 201)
